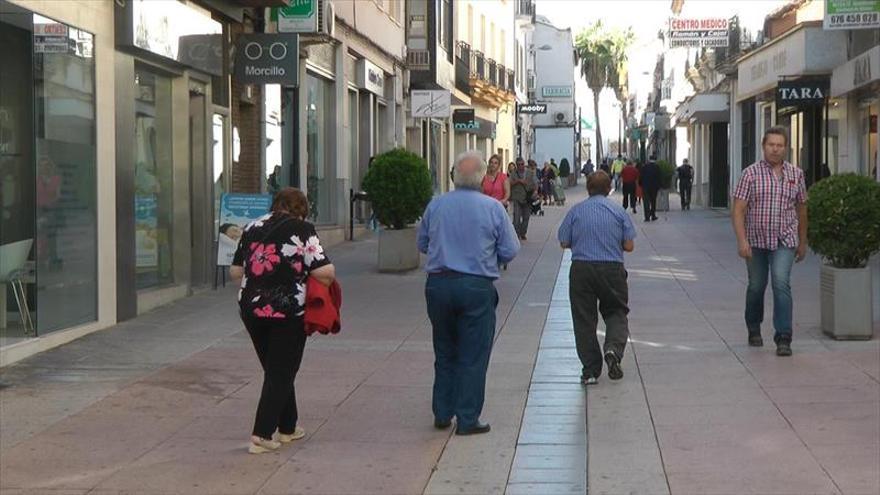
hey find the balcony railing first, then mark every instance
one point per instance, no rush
(511, 81)
(463, 67)
(493, 72)
(525, 10)
(418, 59)
(478, 65)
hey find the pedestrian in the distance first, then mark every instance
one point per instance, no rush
(770, 221)
(588, 167)
(598, 231)
(548, 183)
(616, 169)
(275, 257)
(685, 175)
(495, 183)
(465, 236)
(522, 190)
(273, 182)
(629, 178)
(605, 167)
(650, 180)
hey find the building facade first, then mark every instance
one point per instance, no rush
(555, 132)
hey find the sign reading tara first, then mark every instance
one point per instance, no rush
(430, 103)
(556, 91)
(802, 92)
(262, 58)
(301, 16)
(852, 14)
(698, 33)
(533, 108)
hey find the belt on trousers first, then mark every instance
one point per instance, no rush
(453, 273)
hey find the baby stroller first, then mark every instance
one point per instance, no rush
(536, 207)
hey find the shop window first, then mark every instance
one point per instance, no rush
(48, 178)
(153, 201)
(319, 132)
(220, 175)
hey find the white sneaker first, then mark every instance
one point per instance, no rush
(296, 435)
(262, 446)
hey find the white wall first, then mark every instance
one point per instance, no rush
(556, 143)
(553, 67)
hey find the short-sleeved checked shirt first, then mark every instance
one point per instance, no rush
(772, 217)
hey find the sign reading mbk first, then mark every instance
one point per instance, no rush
(267, 59)
(802, 92)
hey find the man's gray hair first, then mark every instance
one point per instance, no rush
(469, 179)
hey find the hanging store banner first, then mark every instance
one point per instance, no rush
(802, 92)
(236, 211)
(431, 103)
(267, 59)
(852, 14)
(698, 33)
(300, 16)
(370, 77)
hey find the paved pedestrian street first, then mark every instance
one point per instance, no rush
(164, 403)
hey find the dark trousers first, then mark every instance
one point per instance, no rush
(462, 312)
(684, 190)
(629, 196)
(603, 284)
(521, 214)
(279, 345)
(650, 203)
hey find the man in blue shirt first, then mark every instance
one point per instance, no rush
(598, 231)
(466, 235)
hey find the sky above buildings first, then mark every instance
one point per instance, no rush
(646, 17)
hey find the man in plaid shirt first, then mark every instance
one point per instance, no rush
(770, 221)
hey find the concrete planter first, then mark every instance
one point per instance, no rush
(845, 302)
(663, 200)
(398, 251)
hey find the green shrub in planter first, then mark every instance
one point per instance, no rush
(564, 168)
(844, 219)
(667, 171)
(399, 187)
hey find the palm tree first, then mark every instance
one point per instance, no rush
(602, 56)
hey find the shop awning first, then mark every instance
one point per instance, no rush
(860, 72)
(704, 107)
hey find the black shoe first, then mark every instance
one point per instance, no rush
(473, 430)
(614, 371)
(755, 339)
(783, 348)
(589, 380)
(442, 424)
(654, 218)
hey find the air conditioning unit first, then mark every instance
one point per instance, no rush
(326, 18)
(560, 117)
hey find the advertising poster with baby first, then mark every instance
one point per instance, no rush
(236, 211)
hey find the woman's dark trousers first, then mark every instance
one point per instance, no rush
(279, 345)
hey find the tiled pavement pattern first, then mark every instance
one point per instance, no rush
(162, 404)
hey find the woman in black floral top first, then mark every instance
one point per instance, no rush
(275, 256)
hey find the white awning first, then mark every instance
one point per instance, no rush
(857, 73)
(704, 107)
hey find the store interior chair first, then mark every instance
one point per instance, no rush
(13, 259)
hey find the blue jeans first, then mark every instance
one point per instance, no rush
(778, 263)
(462, 312)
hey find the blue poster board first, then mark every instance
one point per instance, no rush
(236, 211)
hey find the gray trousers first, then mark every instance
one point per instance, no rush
(595, 287)
(521, 214)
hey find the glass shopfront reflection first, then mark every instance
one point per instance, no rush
(153, 179)
(48, 235)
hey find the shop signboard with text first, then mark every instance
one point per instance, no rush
(262, 58)
(852, 14)
(236, 211)
(802, 92)
(556, 91)
(427, 103)
(300, 16)
(370, 77)
(533, 108)
(698, 33)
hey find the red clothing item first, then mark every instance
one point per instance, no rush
(495, 187)
(322, 307)
(629, 175)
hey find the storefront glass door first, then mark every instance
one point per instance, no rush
(48, 233)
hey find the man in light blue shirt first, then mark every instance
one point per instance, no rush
(466, 235)
(598, 231)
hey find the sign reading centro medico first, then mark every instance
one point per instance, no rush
(267, 59)
(852, 14)
(698, 33)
